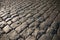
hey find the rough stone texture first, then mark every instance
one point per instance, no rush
(4, 37)
(46, 37)
(29, 20)
(30, 38)
(56, 37)
(12, 34)
(6, 28)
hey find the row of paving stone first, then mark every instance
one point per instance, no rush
(27, 20)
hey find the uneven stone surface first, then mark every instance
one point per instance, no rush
(6, 29)
(29, 20)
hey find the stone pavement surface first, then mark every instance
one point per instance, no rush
(29, 20)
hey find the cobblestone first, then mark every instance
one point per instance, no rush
(21, 27)
(29, 20)
(4, 37)
(55, 37)
(6, 28)
(31, 38)
(12, 34)
(46, 37)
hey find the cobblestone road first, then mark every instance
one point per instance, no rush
(29, 20)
